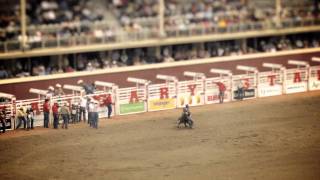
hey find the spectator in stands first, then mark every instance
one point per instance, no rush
(46, 112)
(3, 72)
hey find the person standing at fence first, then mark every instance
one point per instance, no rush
(46, 112)
(3, 120)
(222, 89)
(108, 103)
(95, 114)
(64, 111)
(55, 112)
(21, 118)
(240, 90)
(74, 113)
(91, 113)
(83, 106)
(30, 117)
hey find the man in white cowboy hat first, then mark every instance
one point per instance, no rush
(50, 92)
(58, 91)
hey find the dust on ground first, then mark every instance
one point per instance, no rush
(264, 138)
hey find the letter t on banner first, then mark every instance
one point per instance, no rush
(297, 77)
(271, 79)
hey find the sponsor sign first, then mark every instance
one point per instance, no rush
(314, 84)
(213, 96)
(248, 93)
(161, 104)
(132, 107)
(267, 90)
(187, 98)
(296, 87)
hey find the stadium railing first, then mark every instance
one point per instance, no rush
(121, 35)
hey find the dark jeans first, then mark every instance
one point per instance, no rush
(20, 121)
(3, 124)
(46, 119)
(90, 118)
(65, 118)
(221, 96)
(240, 93)
(73, 118)
(82, 114)
(95, 119)
(55, 120)
(109, 110)
(30, 123)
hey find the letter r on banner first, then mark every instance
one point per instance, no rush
(192, 87)
(164, 93)
(297, 77)
(134, 97)
(35, 106)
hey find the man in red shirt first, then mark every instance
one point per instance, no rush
(108, 103)
(222, 89)
(55, 112)
(46, 112)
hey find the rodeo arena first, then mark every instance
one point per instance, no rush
(159, 89)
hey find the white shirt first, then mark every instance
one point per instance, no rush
(83, 102)
(91, 107)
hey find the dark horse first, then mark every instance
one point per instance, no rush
(185, 119)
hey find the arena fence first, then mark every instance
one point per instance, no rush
(176, 94)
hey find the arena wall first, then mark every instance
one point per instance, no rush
(20, 87)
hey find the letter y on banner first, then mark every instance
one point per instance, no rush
(192, 87)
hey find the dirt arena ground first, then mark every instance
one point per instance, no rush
(265, 138)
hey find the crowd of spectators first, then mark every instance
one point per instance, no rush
(140, 56)
(52, 20)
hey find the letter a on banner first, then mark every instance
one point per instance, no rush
(164, 93)
(271, 79)
(192, 87)
(297, 77)
(134, 97)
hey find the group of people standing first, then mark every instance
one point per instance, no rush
(85, 110)
(25, 115)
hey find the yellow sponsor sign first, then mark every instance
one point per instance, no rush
(160, 104)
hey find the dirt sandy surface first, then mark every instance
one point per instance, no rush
(265, 138)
